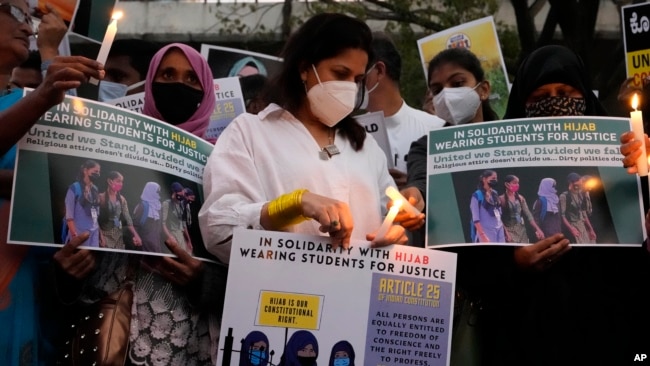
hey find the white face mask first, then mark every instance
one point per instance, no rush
(366, 91)
(109, 90)
(457, 105)
(331, 101)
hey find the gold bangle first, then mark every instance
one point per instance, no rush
(286, 210)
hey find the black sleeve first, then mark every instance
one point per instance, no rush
(416, 166)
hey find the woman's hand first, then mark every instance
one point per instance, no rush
(78, 263)
(631, 150)
(333, 216)
(543, 254)
(408, 220)
(180, 270)
(539, 234)
(395, 235)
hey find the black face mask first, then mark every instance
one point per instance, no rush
(180, 197)
(557, 106)
(94, 177)
(493, 183)
(176, 102)
(306, 361)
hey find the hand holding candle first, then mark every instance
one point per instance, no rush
(388, 221)
(109, 37)
(395, 196)
(637, 127)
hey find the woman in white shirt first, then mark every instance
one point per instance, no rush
(303, 164)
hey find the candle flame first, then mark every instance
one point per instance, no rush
(117, 15)
(635, 101)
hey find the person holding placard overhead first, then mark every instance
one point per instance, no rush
(303, 164)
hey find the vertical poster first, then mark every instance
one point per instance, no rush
(635, 20)
(292, 296)
(480, 37)
(85, 18)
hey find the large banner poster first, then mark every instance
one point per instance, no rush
(480, 37)
(569, 175)
(156, 168)
(291, 296)
(635, 20)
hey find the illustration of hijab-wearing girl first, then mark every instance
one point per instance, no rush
(301, 350)
(254, 350)
(342, 354)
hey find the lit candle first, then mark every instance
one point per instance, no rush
(388, 221)
(394, 195)
(109, 37)
(637, 126)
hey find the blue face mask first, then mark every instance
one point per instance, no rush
(342, 362)
(109, 90)
(257, 356)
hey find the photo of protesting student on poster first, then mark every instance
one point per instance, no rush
(567, 168)
(111, 172)
(401, 313)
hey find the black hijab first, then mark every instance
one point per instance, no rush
(546, 65)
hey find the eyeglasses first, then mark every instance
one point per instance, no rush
(17, 13)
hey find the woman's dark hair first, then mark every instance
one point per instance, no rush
(506, 207)
(485, 174)
(88, 164)
(323, 36)
(465, 59)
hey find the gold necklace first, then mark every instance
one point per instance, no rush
(330, 150)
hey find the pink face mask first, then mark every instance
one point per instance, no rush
(116, 187)
(514, 187)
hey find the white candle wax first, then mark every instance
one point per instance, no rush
(109, 37)
(637, 127)
(388, 221)
(394, 195)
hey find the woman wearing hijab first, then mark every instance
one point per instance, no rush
(301, 350)
(179, 89)
(177, 300)
(569, 303)
(546, 210)
(254, 350)
(146, 218)
(342, 354)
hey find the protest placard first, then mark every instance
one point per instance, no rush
(480, 37)
(635, 20)
(535, 150)
(374, 124)
(228, 62)
(389, 306)
(52, 181)
(230, 104)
